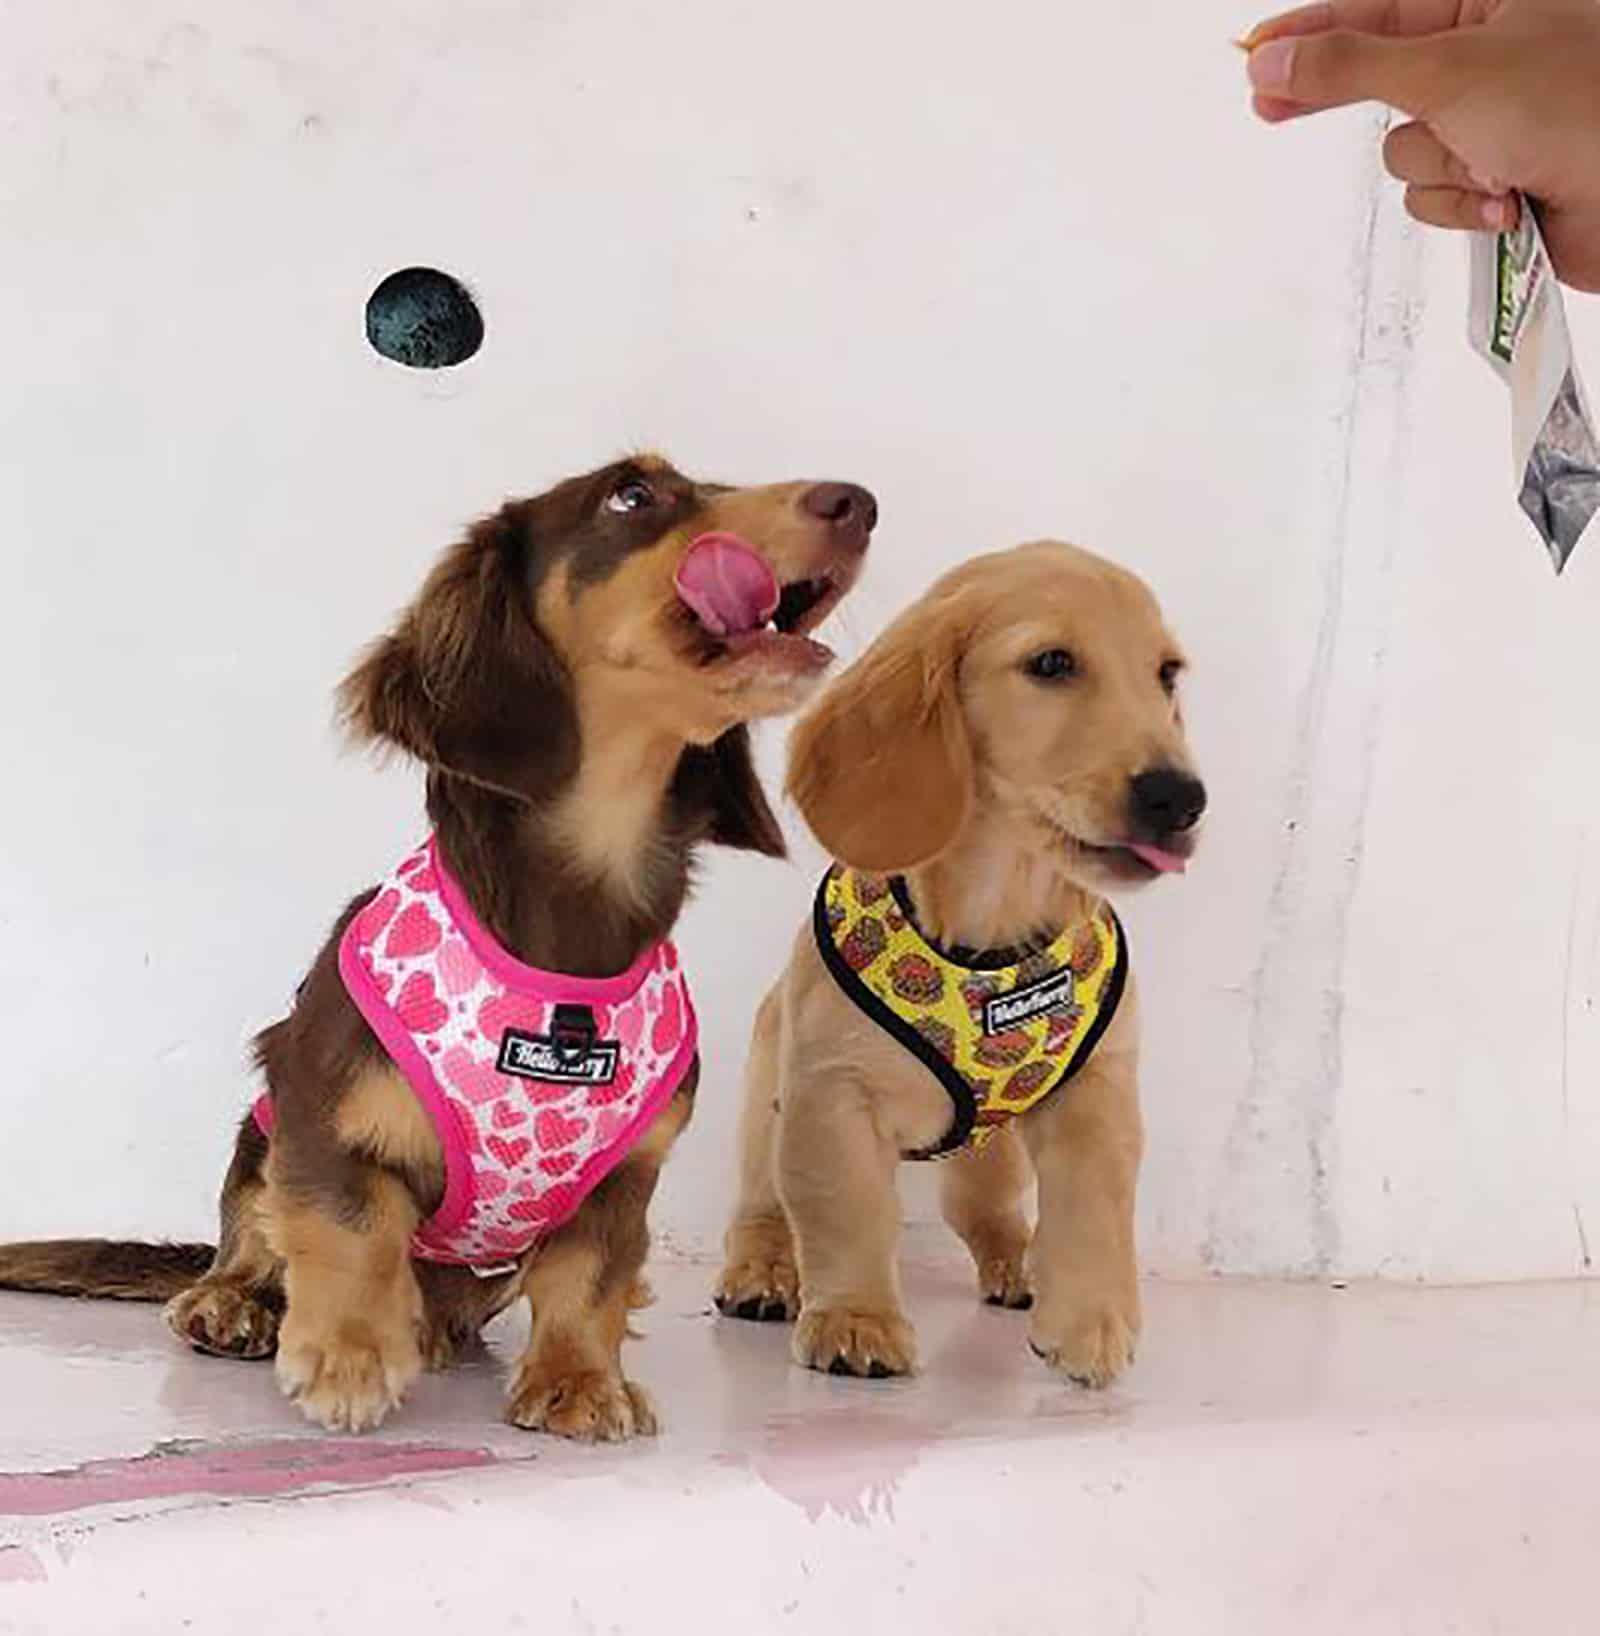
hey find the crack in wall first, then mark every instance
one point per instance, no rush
(1274, 1210)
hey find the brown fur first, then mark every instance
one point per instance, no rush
(582, 735)
(103, 1268)
(1005, 801)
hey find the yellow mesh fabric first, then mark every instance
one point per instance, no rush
(1009, 1063)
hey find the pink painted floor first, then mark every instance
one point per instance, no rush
(1283, 1459)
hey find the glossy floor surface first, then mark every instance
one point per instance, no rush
(1282, 1458)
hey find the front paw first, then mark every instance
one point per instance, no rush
(348, 1381)
(1090, 1343)
(855, 1341)
(589, 1405)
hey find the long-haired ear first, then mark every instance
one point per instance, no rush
(881, 767)
(719, 781)
(465, 681)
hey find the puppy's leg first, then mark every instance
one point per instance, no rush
(348, 1347)
(1086, 1143)
(380, 1119)
(758, 1275)
(234, 1311)
(835, 1174)
(581, 1285)
(980, 1194)
(456, 1304)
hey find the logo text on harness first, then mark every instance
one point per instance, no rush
(538, 1056)
(1021, 1005)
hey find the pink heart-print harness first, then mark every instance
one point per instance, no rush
(538, 1084)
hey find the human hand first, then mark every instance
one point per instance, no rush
(1504, 97)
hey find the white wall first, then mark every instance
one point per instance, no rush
(1024, 268)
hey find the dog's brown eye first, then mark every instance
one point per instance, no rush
(632, 494)
(1053, 665)
(1169, 674)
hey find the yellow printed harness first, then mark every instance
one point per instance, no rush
(1000, 1030)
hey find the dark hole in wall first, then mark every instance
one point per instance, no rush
(424, 319)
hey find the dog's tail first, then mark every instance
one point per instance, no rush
(103, 1269)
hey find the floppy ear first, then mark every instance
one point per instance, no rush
(882, 766)
(720, 781)
(465, 681)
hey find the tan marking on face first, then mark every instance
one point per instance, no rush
(630, 638)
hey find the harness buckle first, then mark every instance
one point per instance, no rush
(573, 1031)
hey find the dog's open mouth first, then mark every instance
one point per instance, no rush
(744, 612)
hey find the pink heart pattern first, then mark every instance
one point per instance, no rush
(418, 1007)
(510, 1154)
(479, 1082)
(502, 1011)
(459, 968)
(523, 1153)
(414, 932)
(627, 1024)
(619, 1090)
(610, 1123)
(378, 913)
(555, 1131)
(668, 1028)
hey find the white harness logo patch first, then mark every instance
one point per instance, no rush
(537, 1056)
(1020, 1005)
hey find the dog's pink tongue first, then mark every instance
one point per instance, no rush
(726, 585)
(1164, 863)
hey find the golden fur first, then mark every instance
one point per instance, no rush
(1004, 801)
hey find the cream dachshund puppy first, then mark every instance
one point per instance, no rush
(1009, 751)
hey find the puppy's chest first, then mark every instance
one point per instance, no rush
(537, 1084)
(999, 1031)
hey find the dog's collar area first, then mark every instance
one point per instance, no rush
(963, 954)
(998, 1037)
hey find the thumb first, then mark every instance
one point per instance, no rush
(1341, 66)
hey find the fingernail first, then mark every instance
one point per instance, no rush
(1271, 65)
(1496, 214)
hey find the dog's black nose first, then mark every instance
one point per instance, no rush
(847, 506)
(1166, 800)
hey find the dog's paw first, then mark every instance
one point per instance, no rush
(226, 1319)
(846, 1341)
(759, 1280)
(446, 1341)
(1090, 1344)
(1003, 1281)
(348, 1381)
(590, 1406)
